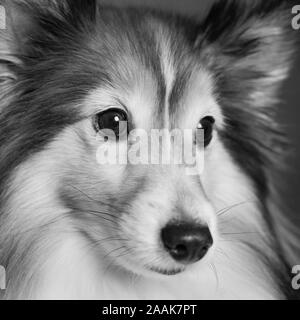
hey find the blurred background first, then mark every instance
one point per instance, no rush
(289, 113)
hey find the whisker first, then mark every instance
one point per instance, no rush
(227, 209)
(214, 269)
(223, 253)
(113, 251)
(123, 253)
(230, 240)
(92, 244)
(105, 213)
(223, 221)
(103, 218)
(238, 233)
(39, 227)
(100, 241)
(94, 200)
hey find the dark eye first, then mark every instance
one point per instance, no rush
(113, 120)
(207, 124)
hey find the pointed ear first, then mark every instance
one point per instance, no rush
(251, 44)
(31, 23)
(6, 51)
(18, 22)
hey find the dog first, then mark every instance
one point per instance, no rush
(71, 228)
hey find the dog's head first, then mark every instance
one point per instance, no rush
(72, 72)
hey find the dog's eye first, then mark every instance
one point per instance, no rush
(207, 124)
(114, 120)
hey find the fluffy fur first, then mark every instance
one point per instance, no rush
(70, 228)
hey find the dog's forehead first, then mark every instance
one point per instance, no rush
(162, 81)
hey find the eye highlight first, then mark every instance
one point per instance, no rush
(110, 121)
(207, 124)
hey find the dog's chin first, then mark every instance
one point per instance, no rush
(167, 272)
(150, 271)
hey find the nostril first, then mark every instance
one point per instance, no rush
(180, 251)
(204, 250)
(186, 242)
(181, 248)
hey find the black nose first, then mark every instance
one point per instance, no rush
(186, 242)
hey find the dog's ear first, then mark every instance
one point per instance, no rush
(18, 23)
(31, 26)
(250, 45)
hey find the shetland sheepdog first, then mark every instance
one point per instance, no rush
(74, 228)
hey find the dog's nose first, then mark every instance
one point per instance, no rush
(186, 242)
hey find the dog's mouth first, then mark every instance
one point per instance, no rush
(165, 272)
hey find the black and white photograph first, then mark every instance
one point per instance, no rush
(149, 150)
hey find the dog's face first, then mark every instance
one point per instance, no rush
(152, 217)
(87, 69)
